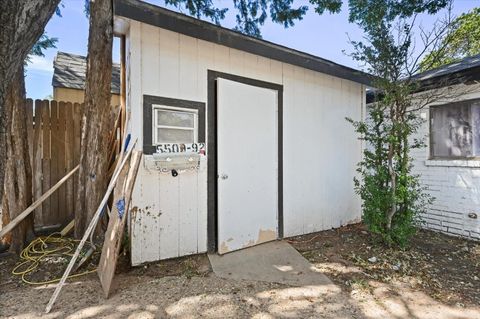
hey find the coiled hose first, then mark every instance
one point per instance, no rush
(40, 251)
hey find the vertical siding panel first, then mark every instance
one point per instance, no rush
(276, 71)
(149, 62)
(187, 68)
(263, 69)
(169, 63)
(237, 60)
(135, 81)
(169, 219)
(250, 65)
(322, 119)
(205, 61)
(202, 207)
(187, 211)
(303, 136)
(135, 126)
(291, 223)
(309, 120)
(222, 58)
(149, 215)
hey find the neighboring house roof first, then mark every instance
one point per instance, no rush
(177, 22)
(460, 67)
(69, 72)
(464, 71)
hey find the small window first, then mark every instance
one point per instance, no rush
(174, 125)
(455, 130)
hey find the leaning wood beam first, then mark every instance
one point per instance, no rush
(32, 207)
(116, 225)
(90, 228)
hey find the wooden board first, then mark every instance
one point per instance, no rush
(116, 225)
(77, 133)
(70, 161)
(29, 125)
(11, 225)
(54, 153)
(61, 170)
(46, 161)
(37, 161)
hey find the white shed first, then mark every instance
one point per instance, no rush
(245, 141)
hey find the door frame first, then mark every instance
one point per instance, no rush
(212, 180)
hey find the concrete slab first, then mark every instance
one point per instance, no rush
(276, 261)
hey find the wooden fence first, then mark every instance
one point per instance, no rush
(54, 133)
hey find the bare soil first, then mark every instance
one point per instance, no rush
(434, 279)
(445, 268)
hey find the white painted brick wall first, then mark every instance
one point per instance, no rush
(455, 186)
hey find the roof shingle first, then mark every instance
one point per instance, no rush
(69, 72)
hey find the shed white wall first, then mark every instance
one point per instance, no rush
(320, 148)
(455, 184)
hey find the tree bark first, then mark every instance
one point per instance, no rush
(18, 173)
(97, 115)
(22, 23)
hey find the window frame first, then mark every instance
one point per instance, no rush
(469, 103)
(150, 101)
(156, 126)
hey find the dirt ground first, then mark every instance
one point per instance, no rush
(436, 278)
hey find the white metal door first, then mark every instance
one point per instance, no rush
(247, 163)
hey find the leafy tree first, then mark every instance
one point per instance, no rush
(392, 195)
(462, 40)
(45, 42)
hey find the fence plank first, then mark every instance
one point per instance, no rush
(54, 154)
(61, 171)
(29, 126)
(46, 161)
(54, 133)
(69, 159)
(37, 162)
(77, 122)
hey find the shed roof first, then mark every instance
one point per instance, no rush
(181, 23)
(69, 71)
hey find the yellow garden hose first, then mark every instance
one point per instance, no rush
(36, 253)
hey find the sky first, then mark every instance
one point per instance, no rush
(326, 36)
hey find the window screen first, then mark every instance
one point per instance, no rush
(454, 130)
(174, 125)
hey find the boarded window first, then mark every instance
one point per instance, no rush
(174, 125)
(455, 130)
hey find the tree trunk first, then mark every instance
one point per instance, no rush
(97, 115)
(18, 173)
(22, 23)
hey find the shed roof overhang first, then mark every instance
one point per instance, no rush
(186, 25)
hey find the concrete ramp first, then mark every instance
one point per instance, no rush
(275, 261)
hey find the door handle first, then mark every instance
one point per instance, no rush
(224, 176)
